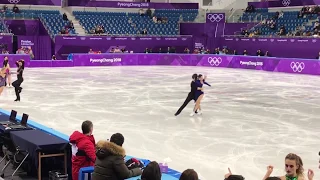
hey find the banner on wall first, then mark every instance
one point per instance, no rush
(124, 4)
(299, 66)
(26, 44)
(295, 47)
(32, 2)
(64, 45)
(215, 18)
(284, 3)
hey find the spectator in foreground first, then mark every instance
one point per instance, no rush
(189, 174)
(230, 176)
(268, 173)
(152, 172)
(110, 163)
(83, 148)
(294, 168)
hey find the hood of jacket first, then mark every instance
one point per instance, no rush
(77, 136)
(106, 148)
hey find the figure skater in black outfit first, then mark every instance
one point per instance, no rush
(16, 84)
(191, 95)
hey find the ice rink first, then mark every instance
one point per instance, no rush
(250, 119)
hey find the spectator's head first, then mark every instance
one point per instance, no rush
(189, 174)
(87, 127)
(6, 58)
(273, 178)
(117, 138)
(151, 172)
(293, 165)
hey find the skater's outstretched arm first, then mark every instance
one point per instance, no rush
(204, 82)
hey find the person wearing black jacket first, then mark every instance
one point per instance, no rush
(191, 95)
(17, 84)
(110, 163)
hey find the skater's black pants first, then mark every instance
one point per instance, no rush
(186, 102)
(16, 84)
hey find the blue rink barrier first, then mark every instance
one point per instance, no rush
(170, 175)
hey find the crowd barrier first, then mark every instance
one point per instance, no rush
(287, 65)
(170, 175)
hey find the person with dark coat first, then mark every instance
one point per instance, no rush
(83, 148)
(110, 163)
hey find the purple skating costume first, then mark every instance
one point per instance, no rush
(2, 81)
(199, 92)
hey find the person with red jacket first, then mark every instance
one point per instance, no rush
(83, 148)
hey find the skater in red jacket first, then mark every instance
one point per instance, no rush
(83, 148)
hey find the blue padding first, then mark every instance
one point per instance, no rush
(171, 175)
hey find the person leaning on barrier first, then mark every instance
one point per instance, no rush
(83, 148)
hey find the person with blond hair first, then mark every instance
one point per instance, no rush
(293, 167)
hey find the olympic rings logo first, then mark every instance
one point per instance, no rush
(297, 66)
(215, 17)
(286, 2)
(214, 61)
(14, 1)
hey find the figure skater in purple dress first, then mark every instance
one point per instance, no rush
(2, 79)
(8, 75)
(199, 94)
(192, 94)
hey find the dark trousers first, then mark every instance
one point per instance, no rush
(16, 84)
(186, 102)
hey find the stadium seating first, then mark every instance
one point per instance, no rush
(290, 20)
(118, 22)
(52, 19)
(2, 27)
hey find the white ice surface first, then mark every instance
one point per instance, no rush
(250, 118)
